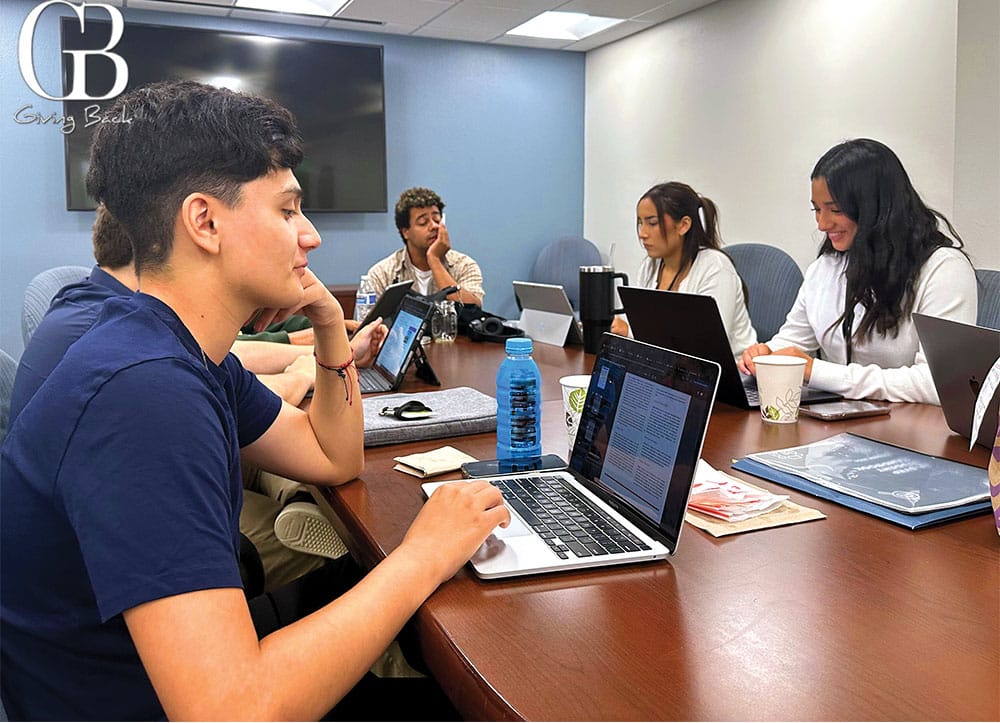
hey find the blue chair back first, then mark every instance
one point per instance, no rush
(560, 261)
(772, 278)
(988, 286)
(40, 292)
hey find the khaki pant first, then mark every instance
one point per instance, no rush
(264, 495)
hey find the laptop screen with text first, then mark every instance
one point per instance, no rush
(642, 427)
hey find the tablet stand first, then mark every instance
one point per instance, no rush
(423, 368)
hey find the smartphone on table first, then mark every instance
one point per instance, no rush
(491, 467)
(845, 409)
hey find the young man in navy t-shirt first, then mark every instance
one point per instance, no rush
(120, 595)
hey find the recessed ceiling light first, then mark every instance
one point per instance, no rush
(564, 26)
(323, 8)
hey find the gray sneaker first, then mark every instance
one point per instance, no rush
(302, 527)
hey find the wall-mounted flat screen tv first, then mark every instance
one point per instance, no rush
(335, 90)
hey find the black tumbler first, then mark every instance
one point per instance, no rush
(597, 303)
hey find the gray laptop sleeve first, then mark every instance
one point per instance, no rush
(457, 412)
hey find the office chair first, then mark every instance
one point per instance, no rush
(988, 287)
(560, 261)
(40, 292)
(773, 280)
(8, 367)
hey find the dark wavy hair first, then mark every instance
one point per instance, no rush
(183, 137)
(896, 233)
(112, 246)
(678, 200)
(417, 197)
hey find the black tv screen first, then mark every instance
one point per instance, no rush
(335, 90)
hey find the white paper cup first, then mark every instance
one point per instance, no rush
(574, 394)
(779, 384)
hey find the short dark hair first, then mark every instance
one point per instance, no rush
(112, 245)
(416, 197)
(183, 137)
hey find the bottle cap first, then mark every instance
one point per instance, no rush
(518, 345)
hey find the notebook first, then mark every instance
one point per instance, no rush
(691, 323)
(960, 356)
(623, 497)
(387, 304)
(546, 314)
(393, 359)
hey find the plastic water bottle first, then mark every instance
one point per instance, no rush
(519, 413)
(365, 299)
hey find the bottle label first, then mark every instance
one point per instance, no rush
(523, 398)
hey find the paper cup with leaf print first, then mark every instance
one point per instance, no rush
(779, 384)
(574, 393)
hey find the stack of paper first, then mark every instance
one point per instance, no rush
(725, 497)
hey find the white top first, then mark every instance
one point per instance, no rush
(883, 367)
(712, 274)
(422, 280)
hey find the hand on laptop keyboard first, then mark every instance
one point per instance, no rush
(453, 523)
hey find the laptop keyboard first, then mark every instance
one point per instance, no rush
(371, 382)
(569, 523)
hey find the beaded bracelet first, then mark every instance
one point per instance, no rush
(342, 371)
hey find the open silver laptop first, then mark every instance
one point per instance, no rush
(623, 497)
(393, 359)
(960, 356)
(691, 323)
(546, 314)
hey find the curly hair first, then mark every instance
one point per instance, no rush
(416, 197)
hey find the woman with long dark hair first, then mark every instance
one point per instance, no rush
(883, 257)
(679, 230)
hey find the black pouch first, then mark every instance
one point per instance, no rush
(481, 325)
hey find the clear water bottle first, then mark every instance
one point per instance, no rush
(519, 413)
(365, 299)
(444, 322)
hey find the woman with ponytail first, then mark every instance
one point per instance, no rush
(883, 257)
(679, 231)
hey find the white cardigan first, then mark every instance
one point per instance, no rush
(883, 367)
(712, 274)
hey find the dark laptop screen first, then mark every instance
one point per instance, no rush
(642, 427)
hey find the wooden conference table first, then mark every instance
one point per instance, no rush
(846, 618)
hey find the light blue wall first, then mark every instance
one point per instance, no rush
(497, 131)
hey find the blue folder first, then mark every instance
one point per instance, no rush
(913, 522)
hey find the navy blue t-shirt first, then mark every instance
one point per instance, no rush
(121, 485)
(74, 310)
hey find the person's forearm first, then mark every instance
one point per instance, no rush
(298, 672)
(290, 386)
(352, 638)
(336, 412)
(443, 279)
(267, 357)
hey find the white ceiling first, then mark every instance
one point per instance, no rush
(477, 21)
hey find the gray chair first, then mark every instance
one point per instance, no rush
(40, 292)
(560, 261)
(772, 278)
(8, 367)
(988, 286)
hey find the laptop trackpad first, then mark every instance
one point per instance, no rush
(517, 528)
